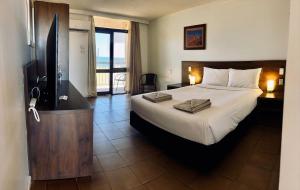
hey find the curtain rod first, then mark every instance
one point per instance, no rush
(109, 15)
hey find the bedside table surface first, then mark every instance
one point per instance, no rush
(277, 96)
(179, 85)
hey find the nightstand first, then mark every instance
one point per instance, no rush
(270, 102)
(179, 85)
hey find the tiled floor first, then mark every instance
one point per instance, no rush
(125, 160)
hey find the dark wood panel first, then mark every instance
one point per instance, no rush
(270, 70)
(43, 16)
(61, 145)
(85, 136)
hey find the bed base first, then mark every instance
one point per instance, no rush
(195, 154)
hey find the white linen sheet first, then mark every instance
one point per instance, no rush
(229, 106)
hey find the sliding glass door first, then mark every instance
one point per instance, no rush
(111, 58)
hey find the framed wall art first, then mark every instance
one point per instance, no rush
(195, 37)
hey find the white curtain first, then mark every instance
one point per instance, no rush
(92, 82)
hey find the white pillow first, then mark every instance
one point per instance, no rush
(244, 78)
(218, 77)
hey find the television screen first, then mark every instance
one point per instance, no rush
(52, 62)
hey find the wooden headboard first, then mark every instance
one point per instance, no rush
(270, 70)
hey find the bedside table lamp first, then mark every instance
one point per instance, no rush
(192, 80)
(270, 85)
(190, 71)
(191, 77)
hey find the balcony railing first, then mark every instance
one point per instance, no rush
(119, 82)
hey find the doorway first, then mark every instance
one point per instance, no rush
(111, 60)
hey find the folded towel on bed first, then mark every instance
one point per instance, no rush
(194, 105)
(157, 97)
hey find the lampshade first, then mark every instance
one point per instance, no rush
(270, 85)
(192, 80)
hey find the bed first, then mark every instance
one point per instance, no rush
(230, 106)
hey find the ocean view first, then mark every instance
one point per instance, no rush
(103, 62)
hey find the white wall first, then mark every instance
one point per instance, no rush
(78, 68)
(236, 30)
(290, 151)
(13, 54)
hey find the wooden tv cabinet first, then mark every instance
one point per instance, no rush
(61, 144)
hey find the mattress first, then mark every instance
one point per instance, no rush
(229, 106)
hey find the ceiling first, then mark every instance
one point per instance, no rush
(143, 9)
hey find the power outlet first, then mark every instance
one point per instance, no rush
(281, 71)
(280, 82)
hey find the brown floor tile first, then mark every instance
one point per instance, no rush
(111, 161)
(262, 160)
(122, 124)
(211, 182)
(146, 170)
(136, 142)
(129, 131)
(229, 168)
(69, 184)
(109, 125)
(162, 159)
(98, 182)
(186, 174)
(122, 179)
(96, 128)
(123, 143)
(243, 150)
(101, 119)
(142, 187)
(99, 137)
(271, 144)
(166, 182)
(255, 177)
(182, 172)
(96, 165)
(239, 186)
(113, 133)
(103, 147)
(113, 115)
(132, 155)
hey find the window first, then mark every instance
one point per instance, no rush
(111, 58)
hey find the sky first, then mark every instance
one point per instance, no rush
(102, 44)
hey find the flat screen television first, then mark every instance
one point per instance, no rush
(52, 63)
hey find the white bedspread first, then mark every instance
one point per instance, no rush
(229, 107)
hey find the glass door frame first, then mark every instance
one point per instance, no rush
(111, 69)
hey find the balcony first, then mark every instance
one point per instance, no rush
(119, 82)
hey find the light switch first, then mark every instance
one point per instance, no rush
(280, 82)
(281, 71)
